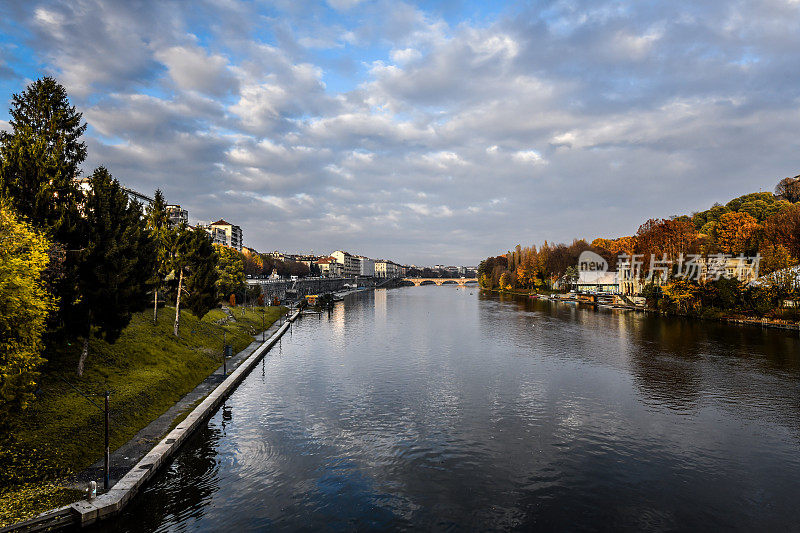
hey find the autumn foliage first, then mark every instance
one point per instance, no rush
(758, 223)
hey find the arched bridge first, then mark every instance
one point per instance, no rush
(440, 281)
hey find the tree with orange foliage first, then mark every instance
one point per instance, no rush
(736, 233)
(784, 228)
(671, 237)
(774, 257)
(621, 245)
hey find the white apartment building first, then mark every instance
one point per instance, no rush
(366, 266)
(387, 269)
(350, 264)
(225, 233)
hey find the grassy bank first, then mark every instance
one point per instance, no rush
(147, 370)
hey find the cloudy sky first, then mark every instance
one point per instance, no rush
(426, 133)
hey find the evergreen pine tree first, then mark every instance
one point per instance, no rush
(41, 156)
(201, 282)
(115, 265)
(39, 162)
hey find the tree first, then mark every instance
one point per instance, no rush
(711, 215)
(571, 275)
(115, 265)
(735, 233)
(729, 292)
(41, 158)
(253, 263)
(159, 228)
(652, 294)
(681, 296)
(24, 305)
(179, 246)
(666, 237)
(230, 271)
(192, 256)
(789, 189)
(774, 257)
(296, 268)
(784, 228)
(761, 299)
(201, 282)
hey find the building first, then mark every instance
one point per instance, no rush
(225, 233)
(366, 266)
(594, 281)
(330, 268)
(309, 260)
(632, 278)
(217, 235)
(177, 216)
(350, 264)
(387, 269)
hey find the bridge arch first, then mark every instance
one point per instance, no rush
(440, 281)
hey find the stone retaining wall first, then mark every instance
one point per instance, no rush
(86, 512)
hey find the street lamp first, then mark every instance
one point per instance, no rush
(227, 351)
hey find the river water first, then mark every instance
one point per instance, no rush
(443, 408)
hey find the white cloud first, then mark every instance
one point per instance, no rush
(405, 55)
(529, 156)
(193, 69)
(443, 160)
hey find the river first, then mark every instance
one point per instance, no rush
(444, 408)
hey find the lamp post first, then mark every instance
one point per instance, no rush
(263, 322)
(225, 347)
(107, 462)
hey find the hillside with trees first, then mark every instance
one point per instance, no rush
(758, 224)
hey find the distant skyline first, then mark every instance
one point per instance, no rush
(429, 133)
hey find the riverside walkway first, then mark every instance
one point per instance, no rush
(140, 458)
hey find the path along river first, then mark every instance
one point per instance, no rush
(443, 408)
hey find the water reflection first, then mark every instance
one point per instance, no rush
(430, 408)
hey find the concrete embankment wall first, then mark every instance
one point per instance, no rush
(89, 511)
(305, 286)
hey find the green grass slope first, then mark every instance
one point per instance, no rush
(147, 370)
